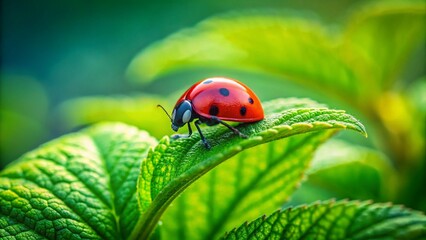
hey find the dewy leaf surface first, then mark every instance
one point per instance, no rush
(336, 220)
(174, 165)
(250, 184)
(81, 185)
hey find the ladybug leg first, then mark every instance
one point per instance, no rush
(236, 131)
(203, 139)
(177, 136)
(189, 130)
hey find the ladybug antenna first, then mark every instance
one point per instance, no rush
(168, 115)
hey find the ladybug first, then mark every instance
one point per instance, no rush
(213, 101)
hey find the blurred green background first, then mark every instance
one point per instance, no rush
(68, 64)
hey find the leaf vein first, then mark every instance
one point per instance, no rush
(90, 189)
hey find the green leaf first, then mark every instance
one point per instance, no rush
(336, 220)
(248, 185)
(82, 185)
(343, 170)
(267, 42)
(354, 62)
(174, 165)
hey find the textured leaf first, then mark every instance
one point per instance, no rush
(81, 185)
(174, 165)
(336, 220)
(250, 184)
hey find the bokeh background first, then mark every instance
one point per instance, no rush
(66, 64)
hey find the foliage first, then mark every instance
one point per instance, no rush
(83, 185)
(362, 220)
(342, 170)
(359, 64)
(115, 181)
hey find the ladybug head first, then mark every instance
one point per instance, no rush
(182, 114)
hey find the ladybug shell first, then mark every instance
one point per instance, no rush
(227, 99)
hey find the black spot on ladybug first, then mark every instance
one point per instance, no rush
(250, 100)
(243, 111)
(208, 81)
(214, 110)
(224, 92)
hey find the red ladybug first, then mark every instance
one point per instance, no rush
(213, 101)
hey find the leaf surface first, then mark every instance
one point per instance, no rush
(353, 62)
(250, 184)
(336, 220)
(343, 170)
(174, 164)
(82, 185)
(266, 42)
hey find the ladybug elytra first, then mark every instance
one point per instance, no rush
(213, 101)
